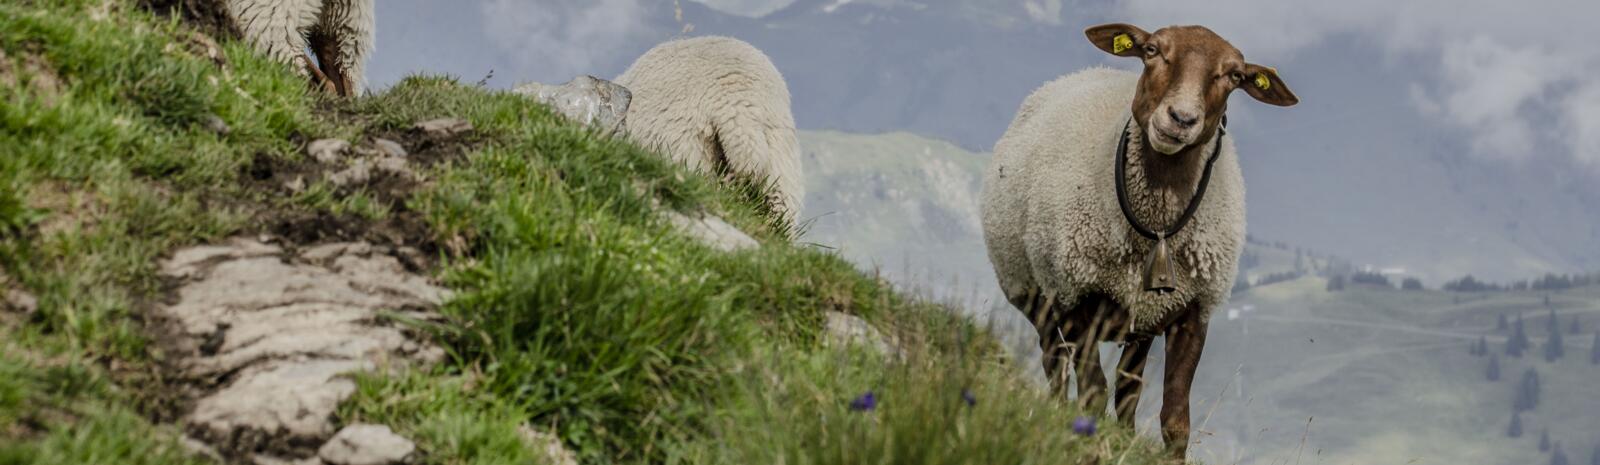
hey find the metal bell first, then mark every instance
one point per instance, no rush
(1158, 269)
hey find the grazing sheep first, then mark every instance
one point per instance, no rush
(718, 105)
(1065, 252)
(338, 32)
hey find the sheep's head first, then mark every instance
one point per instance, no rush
(1189, 72)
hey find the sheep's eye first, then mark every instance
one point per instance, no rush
(1150, 50)
(1236, 77)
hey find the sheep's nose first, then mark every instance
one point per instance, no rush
(1184, 119)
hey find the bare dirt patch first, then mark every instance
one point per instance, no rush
(388, 167)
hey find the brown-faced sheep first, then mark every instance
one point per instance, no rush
(1090, 242)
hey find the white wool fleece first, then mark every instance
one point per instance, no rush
(279, 28)
(1051, 218)
(718, 102)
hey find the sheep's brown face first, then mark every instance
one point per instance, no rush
(1189, 72)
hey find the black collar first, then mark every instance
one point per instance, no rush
(1194, 202)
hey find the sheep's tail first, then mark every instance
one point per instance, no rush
(758, 143)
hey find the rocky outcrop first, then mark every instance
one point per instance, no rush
(587, 100)
(267, 336)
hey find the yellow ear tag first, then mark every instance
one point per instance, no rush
(1121, 43)
(1262, 82)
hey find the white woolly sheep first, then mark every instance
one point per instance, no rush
(1064, 250)
(718, 105)
(338, 32)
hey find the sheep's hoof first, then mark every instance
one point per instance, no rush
(318, 79)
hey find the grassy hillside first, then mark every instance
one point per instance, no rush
(576, 309)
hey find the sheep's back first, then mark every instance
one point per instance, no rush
(679, 86)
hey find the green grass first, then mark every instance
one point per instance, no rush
(577, 309)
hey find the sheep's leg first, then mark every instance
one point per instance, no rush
(342, 39)
(1130, 379)
(1055, 348)
(1185, 341)
(1086, 330)
(330, 62)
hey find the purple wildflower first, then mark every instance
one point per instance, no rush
(1084, 426)
(867, 402)
(966, 396)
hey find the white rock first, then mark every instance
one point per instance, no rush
(849, 329)
(366, 444)
(547, 446)
(443, 127)
(389, 148)
(285, 332)
(712, 231)
(358, 172)
(328, 150)
(587, 100)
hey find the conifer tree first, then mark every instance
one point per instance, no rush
(1494, 368)
(1515, 431)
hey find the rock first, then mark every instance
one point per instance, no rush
(443, 127)
(216, 125)
(201, 449)
(271, 460)
(328, 151)
(389, 148)
(359, 172)
(366, 444)
(283, 331)
(395, 165)
(547, 446)
(712, 231)
(20, 301)
(587, 100)
(846, 329)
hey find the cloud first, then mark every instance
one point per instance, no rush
(1513, 76)
(558, 39)
(748, 8)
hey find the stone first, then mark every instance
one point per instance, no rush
(284, 331)
(443, 127)
(846, 329)
(216, 125)
(328, 151)
(389, 148)
(586, 100)
(366, 444)
(359, 172)
(20, 301)
(259, 459)
(712, 231)
(547, 446)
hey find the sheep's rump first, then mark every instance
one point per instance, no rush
(281, 29)
(718, 105)
(1050, 215)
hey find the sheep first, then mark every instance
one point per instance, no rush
(1067, 255)
(338, 32)
(718, 105)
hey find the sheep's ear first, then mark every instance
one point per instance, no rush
(1118, 39)
(1264, 84)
